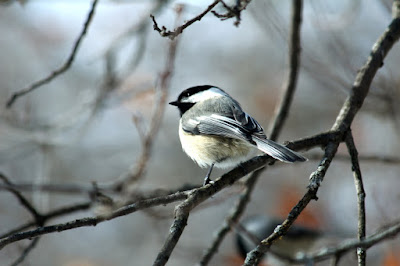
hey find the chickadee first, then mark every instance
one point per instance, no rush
(215, 131)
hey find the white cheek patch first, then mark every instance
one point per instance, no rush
(205, 95)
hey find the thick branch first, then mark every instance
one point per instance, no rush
(64, 67)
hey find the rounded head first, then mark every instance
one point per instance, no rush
(193, 95)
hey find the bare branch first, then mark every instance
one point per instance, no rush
(348, 245)
(337, 251)
(177, 31)
(24, 202)
(361, 252)
(64, 67)
(233, 12)
(315, 179)
(367, 72)
(342, 124)
(199, 195)
(26, 252)
(232, 219)
(93, 221)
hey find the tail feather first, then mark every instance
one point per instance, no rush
(278, 151)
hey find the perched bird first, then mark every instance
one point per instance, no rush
(215, 131)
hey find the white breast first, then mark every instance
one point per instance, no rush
(206, 150)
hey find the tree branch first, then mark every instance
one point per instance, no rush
(349, 245)
(93, 221)
(177, 31)
(232, 219)
(361, 252)
(64, 67)
(24, 202)
(316, 178)
(26, 252)
(233, 12)
(342, 124)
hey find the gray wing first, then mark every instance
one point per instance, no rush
(240, 126)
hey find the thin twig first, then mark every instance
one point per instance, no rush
(177, 31)
(282, 109)
(337, 251)
(361, 252)
(62, 211)
(64, 67)
(26, 252)
(348, 245)
(233, 12)
(24, 201)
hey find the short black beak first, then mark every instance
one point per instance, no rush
(175, 103)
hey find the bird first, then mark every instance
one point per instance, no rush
(215, 131)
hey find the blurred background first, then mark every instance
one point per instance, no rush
(77, 129)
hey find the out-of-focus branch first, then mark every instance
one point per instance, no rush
(336, 252)
(282, 109)
(24, 202)
(348, 245)
(62, 211)
(26, 252)
(148, 138)
(114, 79)
(178, 30)
(342, 124)
(361, 252)
(232, 219)
(64, 67)
(39, 219)
(93, 221)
